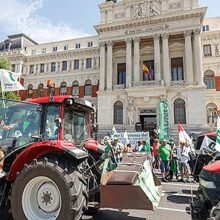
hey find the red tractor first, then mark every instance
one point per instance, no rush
(51, 169)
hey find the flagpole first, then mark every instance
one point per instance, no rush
(3, 95)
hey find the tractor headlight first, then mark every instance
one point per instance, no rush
(207, 184)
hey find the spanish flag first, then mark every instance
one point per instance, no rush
(145, 69)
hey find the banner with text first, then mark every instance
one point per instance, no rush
(164, 120)
(132, 137)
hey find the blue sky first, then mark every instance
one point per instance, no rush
(52, 20)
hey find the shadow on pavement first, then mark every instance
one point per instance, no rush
(189, 192)
(178, 199)
(110, 214)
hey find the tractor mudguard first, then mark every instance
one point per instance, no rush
(131, 185)
(39, 150)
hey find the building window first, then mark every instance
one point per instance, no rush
(177, 69)
(77, 46)
(118, 113)
(44, 50)
(31, 69)
(13, 67)
(209, 79)
(179, 111)
(90, 44)
(212, 114)
(207, 49)
(65, 47)
(54, 49)
(88, 87)
(75, 88)
(76, 64)
(53, 67)
(40, 92)
(51, 91)
(88, 63)
(33, 52)
(64, 65)
(30, 91)
(42, 68)
(63, 88)
(121, 69)
(98, 85)
(205, 28)
(148, 70)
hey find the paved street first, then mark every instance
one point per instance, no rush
(174, 205)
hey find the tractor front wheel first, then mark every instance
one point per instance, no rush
(46, 190)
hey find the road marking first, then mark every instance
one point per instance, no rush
(177, 194)
(183, 194)
(178, 184)
(173, 210)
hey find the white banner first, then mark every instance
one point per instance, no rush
(133, 137)
(9, 81)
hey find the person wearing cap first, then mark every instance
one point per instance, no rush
(183, 156)
(173, 162)
(165, 155)
(118, 147)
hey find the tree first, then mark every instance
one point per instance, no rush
(5, 64)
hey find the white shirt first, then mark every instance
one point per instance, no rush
(185, 154)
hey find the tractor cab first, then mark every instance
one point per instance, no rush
(62, 118)
(19, 122)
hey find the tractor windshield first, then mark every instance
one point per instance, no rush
(19, 122)
(76, 126)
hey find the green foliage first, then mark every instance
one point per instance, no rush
(5, 64)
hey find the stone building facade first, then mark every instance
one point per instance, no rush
(164, 36)
(211, 68)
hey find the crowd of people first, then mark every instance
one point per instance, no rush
(171, 160)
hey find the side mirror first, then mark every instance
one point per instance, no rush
(58, 121)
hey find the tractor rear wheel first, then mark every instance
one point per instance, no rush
(48, 191)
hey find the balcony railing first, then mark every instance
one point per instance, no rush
(148, 83)
(177, 83)
(117, 87)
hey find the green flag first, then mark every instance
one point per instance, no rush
(217, 146)
(164, 120)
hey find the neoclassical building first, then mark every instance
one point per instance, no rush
(211, 68)
(145, 51)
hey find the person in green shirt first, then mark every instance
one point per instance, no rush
(146, 147)
(165, 155)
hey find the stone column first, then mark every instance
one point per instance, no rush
(28, 69)
(128, 62)
(97, 63)
(188, 57)
(82, 64)
(166, 59)
(109, 65)
(157, 65)
(137, 59)
(49, 67)
(198, 56)
(102, 67)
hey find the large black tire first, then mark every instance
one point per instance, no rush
(67, 179)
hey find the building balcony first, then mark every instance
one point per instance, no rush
(118, 87)
(148, 84)
(177, 83)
